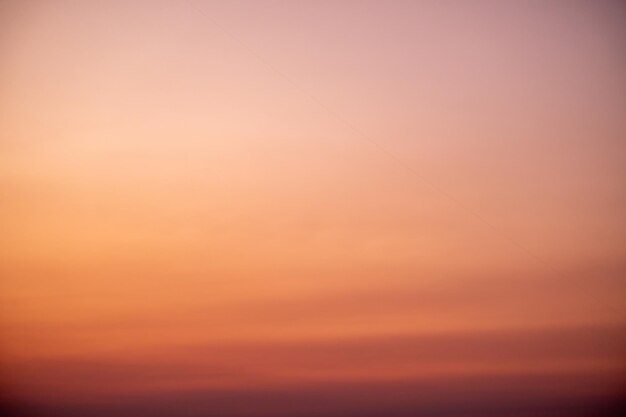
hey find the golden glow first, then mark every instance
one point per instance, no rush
(182, 215)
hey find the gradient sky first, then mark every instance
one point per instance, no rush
(307, 208)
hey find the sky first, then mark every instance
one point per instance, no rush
(312, 208)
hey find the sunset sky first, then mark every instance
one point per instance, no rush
(280, 208)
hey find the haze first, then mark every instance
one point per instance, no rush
(312, 208)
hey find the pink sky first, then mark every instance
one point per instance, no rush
(324, 199)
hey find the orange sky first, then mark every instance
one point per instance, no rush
(325, 199)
